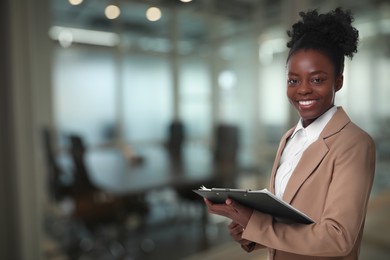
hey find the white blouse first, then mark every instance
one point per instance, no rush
(295, 146)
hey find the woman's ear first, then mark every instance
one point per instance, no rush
(339, 82)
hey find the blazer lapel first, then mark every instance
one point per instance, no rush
(310, 159)
(313, 155)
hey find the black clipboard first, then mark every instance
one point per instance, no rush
(260, 200)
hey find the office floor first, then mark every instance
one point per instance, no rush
(171, 237)
(173, 230)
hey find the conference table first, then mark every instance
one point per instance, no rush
(110, 170)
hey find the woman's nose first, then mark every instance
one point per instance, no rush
(304, 88)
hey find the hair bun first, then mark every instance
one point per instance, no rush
(334, 27)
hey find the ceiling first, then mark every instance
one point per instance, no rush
(132, 21)
(192, 20)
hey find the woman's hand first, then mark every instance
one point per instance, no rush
(239, 215)
(232, 210)
(235, 231)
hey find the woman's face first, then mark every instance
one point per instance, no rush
(311, 84)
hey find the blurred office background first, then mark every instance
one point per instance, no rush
(112, 111)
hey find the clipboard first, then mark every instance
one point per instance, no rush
(260, 200)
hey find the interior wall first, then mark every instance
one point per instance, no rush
(25, 105)
(7, 208)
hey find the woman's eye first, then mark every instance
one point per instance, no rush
(292, 81)
(317, 80)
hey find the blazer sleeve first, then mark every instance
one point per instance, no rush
(352, 167)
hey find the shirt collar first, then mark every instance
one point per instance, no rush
(315, 128)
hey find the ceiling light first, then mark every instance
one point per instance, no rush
(153, 14)
(75, 2)
(185, 1)
(66, 36)
(112, 12)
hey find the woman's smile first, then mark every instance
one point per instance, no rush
(306, 103)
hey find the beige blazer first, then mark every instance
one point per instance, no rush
(331, 184)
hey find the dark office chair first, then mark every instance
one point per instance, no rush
(175, 142)
(101, 216)
(93, 204)
(89, 208)
(176, 136)
(82, 183)
(58, 190)
(225, 154)
(226, 144)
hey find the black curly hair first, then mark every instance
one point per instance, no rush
(330, 33)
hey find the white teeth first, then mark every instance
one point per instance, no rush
(306, 102)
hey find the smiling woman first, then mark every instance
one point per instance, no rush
(324, 165)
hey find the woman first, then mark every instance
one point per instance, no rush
(325, 164)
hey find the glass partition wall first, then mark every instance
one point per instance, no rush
(194, 69)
